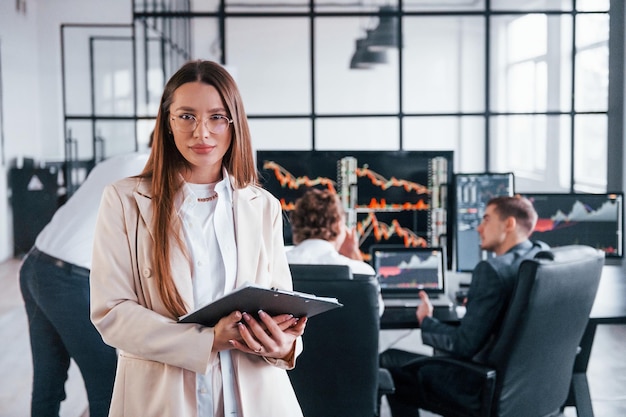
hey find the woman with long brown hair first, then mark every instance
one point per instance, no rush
(191, 228)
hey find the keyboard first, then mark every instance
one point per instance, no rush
(399, 315)
(405, 317)
(401, 302)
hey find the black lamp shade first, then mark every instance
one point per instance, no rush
(386, 34)
(364, 57)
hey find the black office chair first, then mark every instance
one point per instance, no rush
(529, 369)
(337, 374)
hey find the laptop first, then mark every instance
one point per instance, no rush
(403, 272)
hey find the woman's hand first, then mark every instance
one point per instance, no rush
(225, 330)
(272, 337)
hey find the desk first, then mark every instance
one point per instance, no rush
(609, 308)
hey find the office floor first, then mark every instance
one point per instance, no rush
(15, 360)
(607, 367)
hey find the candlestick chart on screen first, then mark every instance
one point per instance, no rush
(394, 197)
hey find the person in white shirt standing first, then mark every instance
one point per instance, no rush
(54, 281)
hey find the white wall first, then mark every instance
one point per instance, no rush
(30, 54)
(20, 101)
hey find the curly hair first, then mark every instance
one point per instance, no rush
(318, 214)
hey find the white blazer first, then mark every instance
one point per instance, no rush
(159, 358)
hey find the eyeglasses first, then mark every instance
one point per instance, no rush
(187, 123)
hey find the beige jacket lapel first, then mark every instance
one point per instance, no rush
(247, 208)
(181, 268)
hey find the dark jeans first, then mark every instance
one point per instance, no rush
(57, 304)
(403, 402)
(419, 381)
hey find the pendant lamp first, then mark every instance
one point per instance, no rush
(364, 57)
(386, 34)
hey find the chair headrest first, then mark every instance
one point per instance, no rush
(545, 254)
(569, 253)
(316, 272)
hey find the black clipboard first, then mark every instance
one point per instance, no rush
(251, 298)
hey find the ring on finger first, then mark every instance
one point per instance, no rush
(258, 350)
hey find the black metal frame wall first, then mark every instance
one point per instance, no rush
(158, 16)
(615, 128)
(616, 64)
(72, 161)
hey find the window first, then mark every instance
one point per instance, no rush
(506, 85)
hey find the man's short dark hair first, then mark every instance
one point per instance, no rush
(518, 207)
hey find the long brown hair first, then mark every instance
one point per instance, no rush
(166, 163)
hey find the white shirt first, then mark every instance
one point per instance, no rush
(69, 235)
(210, 235)
(320, 251)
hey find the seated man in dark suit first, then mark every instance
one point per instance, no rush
(504, 230)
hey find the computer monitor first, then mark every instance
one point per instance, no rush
(403, 271)
(595, 220)
(472, 192)
(391, 197)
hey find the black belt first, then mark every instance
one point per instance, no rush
(59, 263)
